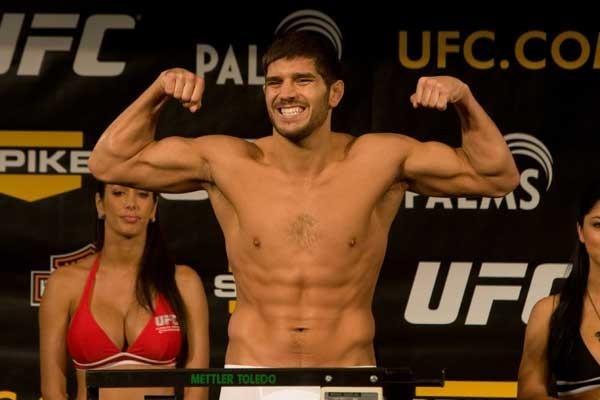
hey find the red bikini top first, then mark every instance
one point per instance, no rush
(90, 347)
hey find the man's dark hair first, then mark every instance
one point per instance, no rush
(310, 45)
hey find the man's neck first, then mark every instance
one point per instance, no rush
(306, 158)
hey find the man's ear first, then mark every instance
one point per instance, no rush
(336, 92)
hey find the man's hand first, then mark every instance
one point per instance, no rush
(438, 91)
(184, 86)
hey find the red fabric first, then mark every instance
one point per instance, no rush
(159, 342)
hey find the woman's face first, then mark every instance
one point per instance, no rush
(126, 211)
(589, 234)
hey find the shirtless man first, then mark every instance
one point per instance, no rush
(304, 245)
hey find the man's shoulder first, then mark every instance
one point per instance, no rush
(261, 142)
(228, 144)
(380, 141)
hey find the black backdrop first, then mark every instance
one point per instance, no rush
(460, 275)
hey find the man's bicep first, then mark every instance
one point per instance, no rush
(178, 154)
(172, 164)
(436, 169)
(177, 164)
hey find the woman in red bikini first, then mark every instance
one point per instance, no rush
(127, 306)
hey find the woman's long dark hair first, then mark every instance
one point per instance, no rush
(566, 319)
(156, 274)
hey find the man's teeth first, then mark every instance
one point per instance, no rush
(287, 111)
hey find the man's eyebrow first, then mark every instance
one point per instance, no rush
(304, 75)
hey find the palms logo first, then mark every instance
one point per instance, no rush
(526, 197)
(527, 145)
(316, 21)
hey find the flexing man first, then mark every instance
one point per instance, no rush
(304, 245)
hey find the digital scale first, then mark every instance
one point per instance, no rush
(335, 383)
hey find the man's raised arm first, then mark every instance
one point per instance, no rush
(128, 153)
(483, 165)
